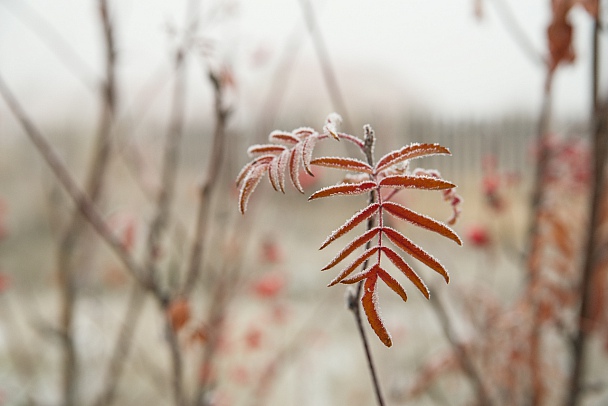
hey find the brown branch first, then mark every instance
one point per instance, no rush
(462, 355)
(208, 186)
(72, 238)
(517, 33)
(53, 39)
(169, 169)
(329, 73)
(600, 149)
(121, 347)
(81, 200)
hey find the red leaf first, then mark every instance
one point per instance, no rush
(178, 313)
(351, 223)
(358, 277)
(294, 167)
(409, 152)
(369, 300)
(273, 174)
(356, 243)
(392, 283)
(261, 161)
(347, 164)
(282, 136)
(406, 214)
(407, 271)
(349, 269)
(249, 184)
(307, 149)
(345, 189)
(416, 182)
(283, 160)
(265, 149)
(408, 246)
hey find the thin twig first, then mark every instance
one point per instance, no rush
(329, 73)
(72, 239)
(517, 33)
(600, 148)
(53, 39)
(463, 357)
(82, 201)
(122, 347)
(208, 186)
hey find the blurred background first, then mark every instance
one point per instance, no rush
(174, 93)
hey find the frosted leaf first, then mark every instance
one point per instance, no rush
(282, 136)
(273, 173)
(355, 220)
(307, 149)
(407, 271)
(369, 300)
(344, 189)
(347, 164)
(294, 167)
(415, 251)
(412, 151)
(304, 132)
(392, 283)
(416, 182)
(332, 123)
(420, 220)
(250, 182)
(283, 160)
(265, 149)
(263, 160)
(354, 265)
(356, 243)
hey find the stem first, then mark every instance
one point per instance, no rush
(600, 138)
(329, 74)
(461, 354)
(354, 299)
(80, 198)
(208, 186)
(121, 348)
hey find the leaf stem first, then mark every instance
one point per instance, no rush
(354, 299)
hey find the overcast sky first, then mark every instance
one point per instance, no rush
(432, 51)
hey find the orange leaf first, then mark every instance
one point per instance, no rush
(406, 214)
(345, 189)
(349, 269)
(408, 246)
(392, 283)
(416, 182)
(347, 164)
(369, 300)
(409, 152)
(357, 277)
(407, 271)
(356, 243)
(249, 184)
(351, 223)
